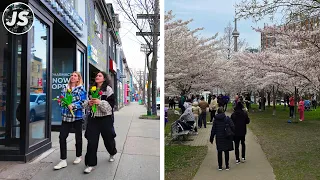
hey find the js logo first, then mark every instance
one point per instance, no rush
(18, 18)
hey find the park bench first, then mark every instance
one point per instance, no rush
(175, 134)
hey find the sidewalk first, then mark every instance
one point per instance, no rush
(138, 145)
(256, 166)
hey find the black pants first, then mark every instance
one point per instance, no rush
(203, 119)
(226, 156)
(314, 104)
(291, 111)
(212, 113)
(64, 133)
(237, 140)
(225, 107)
(97, 125)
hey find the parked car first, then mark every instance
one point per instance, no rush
(37, 105)
(158, 102)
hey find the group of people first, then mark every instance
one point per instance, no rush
(99, 122)
(302, 106)
(229, 132)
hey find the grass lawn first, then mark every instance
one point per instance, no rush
(145, 116)
(292, 149)
(182, 162)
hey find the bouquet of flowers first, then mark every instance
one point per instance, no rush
(95, 94)
(65, 101)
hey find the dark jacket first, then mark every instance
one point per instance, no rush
(218, 130)
(240, 119)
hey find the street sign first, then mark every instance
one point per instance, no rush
(146, 33)
(147, 16)
(122, 76)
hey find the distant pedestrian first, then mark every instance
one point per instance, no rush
(226, 100)
(248, 102)
(223, 142)
(301, 109)
(291, 106)
(196, 113)
(213, 106)
(203, 116)
(181, 104)
(240, 119)
(314, 102)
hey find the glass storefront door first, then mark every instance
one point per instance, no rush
(10, 85)
(38, 90)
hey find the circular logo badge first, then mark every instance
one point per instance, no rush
(18, 18)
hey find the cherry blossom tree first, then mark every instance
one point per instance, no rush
(189, 59)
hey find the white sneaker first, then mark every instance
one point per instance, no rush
(88, 169)
(237, 161)
(77, 160)
(111, 159)
(243, 160)
(61, 164)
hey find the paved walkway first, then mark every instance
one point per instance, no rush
(138, 158)
(256, 167)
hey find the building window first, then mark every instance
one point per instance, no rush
(38, 68)
(109, 40)
(98, 24)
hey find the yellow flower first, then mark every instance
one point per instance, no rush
(69, 90)
(93, 88)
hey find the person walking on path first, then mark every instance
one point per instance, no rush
(240, 119)
(314, 102)
(291, 105)
(223, 143)
(181, 104)
(196, 113)
(226, 100)
(213, 107)
(69, 121)
(301, 109)
(100, 122)
(203, 116)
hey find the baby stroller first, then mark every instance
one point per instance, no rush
(307, 105)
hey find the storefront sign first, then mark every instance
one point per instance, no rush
(66, 10)
(59, 80)
(122, 76)
(93, 53)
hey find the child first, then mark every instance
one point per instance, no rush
(301, 109)
(196, 112)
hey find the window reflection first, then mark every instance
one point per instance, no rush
(38, 100)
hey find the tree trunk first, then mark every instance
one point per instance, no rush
(149, 95)
(255, 98)
(274, 101)
(269, 99)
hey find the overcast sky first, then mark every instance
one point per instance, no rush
(214, 16)
(131, 45)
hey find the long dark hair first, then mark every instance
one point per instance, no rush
(105, 83)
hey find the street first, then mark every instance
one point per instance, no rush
(138, 157)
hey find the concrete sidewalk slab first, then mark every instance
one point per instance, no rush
(142, 146)
(256, 167)
(138, 167)
(104, 169)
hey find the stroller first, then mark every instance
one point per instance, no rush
(307, 105)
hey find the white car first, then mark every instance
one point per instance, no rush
(37, 105)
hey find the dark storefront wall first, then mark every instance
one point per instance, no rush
(27, 63)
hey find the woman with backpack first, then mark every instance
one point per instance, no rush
(222, 129)
(240, 119)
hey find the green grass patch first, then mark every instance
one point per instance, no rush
(291, 148)
(183, 162)
(144, 116)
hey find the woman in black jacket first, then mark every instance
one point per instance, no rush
(240, 119)
(223, 143)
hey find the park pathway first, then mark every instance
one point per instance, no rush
(256, 166)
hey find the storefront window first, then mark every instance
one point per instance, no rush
(38, 90)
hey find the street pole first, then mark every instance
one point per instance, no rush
(144, 80)
(155, 57)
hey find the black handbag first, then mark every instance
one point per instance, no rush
(228, 131)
